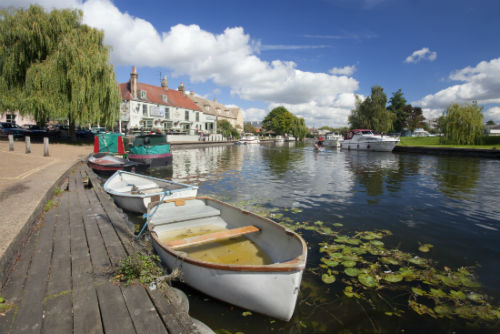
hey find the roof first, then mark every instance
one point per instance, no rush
(154, 95)
(216, 108)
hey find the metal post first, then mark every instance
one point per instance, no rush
(27, 139)
(45, 146)
(11, 142)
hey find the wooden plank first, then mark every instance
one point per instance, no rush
(13, 289)
(175, 319)
(29, 315)
(142, 311)
(58, 307)
(211, 237)
(86, 314)
(115, 316)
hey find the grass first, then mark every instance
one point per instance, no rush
(488, 143)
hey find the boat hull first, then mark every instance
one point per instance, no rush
(267, 289)
(107, 164)
(379, 146)
(152, 160)
(120, 184)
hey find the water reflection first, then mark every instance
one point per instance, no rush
(457, 179)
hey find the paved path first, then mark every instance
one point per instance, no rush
(61, 280)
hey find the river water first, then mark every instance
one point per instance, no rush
(450, 203)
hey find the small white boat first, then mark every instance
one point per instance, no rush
(333, 139)
(279, 139)
(368, 140)
(230, 254)
(133, 192)
(248, 138)
(289, 138)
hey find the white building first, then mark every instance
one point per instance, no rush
(147, 107)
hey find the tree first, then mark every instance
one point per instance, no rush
(371, 113)
(490, 122)
(414, 117)
(279, 120)
(462, 125)
(249, 128)
(299, 129)
(53, 66)
(396, 107)
(226, 129)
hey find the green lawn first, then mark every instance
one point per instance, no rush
(488, 142)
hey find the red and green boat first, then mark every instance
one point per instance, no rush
(151, 150)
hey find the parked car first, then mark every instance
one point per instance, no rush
(34, 130)
(7, 128)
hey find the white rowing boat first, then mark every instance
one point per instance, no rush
(133, 192)
(230, 254)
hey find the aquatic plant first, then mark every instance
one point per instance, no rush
(139, 267)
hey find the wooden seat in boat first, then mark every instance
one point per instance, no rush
(211, 237)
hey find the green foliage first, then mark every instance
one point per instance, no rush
(141, 267)
(281, 121)
(53, 66)
(414, 117)
(371, 113)
(226, 129)
(397, 107)
(249, 128)
(462, 125)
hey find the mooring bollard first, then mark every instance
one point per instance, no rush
(27, 139)
(11, 142)
(45, 146)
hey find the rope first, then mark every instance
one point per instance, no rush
(165, 193)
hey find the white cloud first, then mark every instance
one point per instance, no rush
(480, 83)
(493, 114)
(346, 70)
(228, 59)
(422, 54)
(254, 114)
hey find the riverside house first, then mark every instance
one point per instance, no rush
(147, 107)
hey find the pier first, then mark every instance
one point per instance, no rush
(60, 278)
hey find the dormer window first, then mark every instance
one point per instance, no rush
(164, 98)
(207, 107)
(143, 94)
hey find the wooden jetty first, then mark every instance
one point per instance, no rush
(61, 281)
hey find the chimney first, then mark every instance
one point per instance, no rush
(215, 99)
(181, 88)
(133, 82)
(164, 83)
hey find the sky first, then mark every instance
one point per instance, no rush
(311, 56)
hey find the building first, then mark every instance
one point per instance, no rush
(233, 115)
(16, 118)
(147, 107)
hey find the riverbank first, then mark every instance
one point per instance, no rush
(467, 152)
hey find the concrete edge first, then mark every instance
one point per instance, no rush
(9, 257)
(470, 152)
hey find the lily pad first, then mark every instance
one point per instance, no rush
(328, 279)
(443, 310)
(451, 281)
(349, 263)
(369, 235)
(368, 280)
(353, 272)
(418, 261)
(458, 295)
(393, 277)
(342, 239)
(438, 293)
(338, 225)
(353, 241)
(470, 283)
(425, 248)
(377, 243)
(475, 297)
(418, 292)
(349, 293)
(329, 262)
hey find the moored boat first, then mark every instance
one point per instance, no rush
(230, 254)
(133, 192)
(107, 163)
(333, 139)
(368, 140)
(248, 138)
(151, 150)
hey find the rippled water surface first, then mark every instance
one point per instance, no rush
(452, 203)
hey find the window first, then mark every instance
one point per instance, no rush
(186, 115)
(145, 109)
(207, 107)
(197, 116)
(143, 94)
(10, 118)
(167, 112)
(164, 98)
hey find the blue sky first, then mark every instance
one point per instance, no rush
(312, 56)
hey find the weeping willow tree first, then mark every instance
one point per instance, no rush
(54, 67)
(462, 125)
(372, 113)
